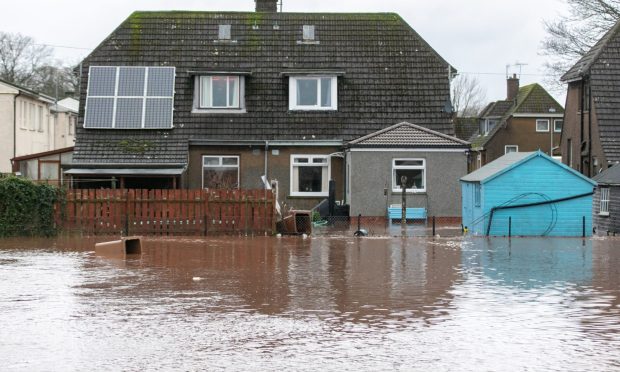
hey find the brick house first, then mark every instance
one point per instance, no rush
(529, 119)
(591, 135)
(218, 99)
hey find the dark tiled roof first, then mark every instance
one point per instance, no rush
(610, 176)
(408, 135)
(582, 67)
(464, 128)
(391, 75)
(531, 99)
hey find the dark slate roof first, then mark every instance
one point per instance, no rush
(583, 66)
(531, 99)
(465, 128)
(610, 176)
(390, 75)
(405, 135)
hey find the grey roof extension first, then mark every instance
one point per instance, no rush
(407, 135)
(387, 74)
(610, 176)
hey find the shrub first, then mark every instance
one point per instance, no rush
(26, 208)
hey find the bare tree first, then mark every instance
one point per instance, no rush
(571, 36)
(21, 58)
(468, 96)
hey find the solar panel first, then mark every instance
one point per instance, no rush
(161, 82)
(129, 113)
(126, 97)
(102, 81)
(131, 81)
(158, 113)
(99, 112)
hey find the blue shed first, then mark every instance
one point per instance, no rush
(529, 194)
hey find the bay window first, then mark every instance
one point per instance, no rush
(309, 175)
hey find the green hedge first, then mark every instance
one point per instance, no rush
(27, 208)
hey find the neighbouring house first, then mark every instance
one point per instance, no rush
(433, 162)
(607, 201)
(64, 117)
(527, 194)
(24, 123)
(465, 127)
(591, 135)
(529, 119)
(180, 99)
(45, 167)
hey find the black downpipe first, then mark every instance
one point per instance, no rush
(590, 173)
(534, 204)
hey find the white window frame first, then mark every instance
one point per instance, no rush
(397, 189)
(207, 81)
(293, 93)
(221, 165)
(555, 129)
(310, 164)
(541, 121)
(604, 201)
(516, 147)
(487, 125)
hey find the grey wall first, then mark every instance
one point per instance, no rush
(611, 223)
(371, 172)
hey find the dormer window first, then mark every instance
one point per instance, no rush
(219, 92)
(313, 93)
(224, 32)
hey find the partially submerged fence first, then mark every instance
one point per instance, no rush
(168, 212)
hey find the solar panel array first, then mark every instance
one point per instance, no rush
(130, 97)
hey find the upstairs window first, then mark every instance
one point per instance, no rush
(557, 125)
(130, 98)
(489, 125)
(414, 170)
(313, 93)
(511, 148)
(542, 125)
(220, 92)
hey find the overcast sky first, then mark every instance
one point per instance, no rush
(476, 36)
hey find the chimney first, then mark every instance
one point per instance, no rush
(512, 85)
(268, 6)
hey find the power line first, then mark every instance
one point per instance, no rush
(62, 46)
(498, 73)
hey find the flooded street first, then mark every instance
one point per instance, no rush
(314, 304)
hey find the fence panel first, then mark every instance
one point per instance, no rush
(167, 212)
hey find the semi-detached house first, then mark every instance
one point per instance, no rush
(180, 99)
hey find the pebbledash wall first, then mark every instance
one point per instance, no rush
(370, 172)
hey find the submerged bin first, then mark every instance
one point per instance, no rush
(296, 223)
(120, 248)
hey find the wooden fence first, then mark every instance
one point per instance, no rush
(167, 212)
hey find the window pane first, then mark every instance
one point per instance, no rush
(301, 160)
(221, 178)
(542, 125)
(49, 171)
(326, 92)
(416, 163)
(510, 149)
(205, 94)
(307, 92)
(310, 179)
(558, 125)
(219, 88)
(211, 160)
(319, 160)
(229, 161)
(233, 92)
(414, 178)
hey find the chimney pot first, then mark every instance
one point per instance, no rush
(267, 6)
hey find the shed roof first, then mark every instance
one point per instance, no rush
(510, 161)
(408, 135)
(610, 176)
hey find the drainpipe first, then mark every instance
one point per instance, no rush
(266, 159)
(589, 128)
(15, 124)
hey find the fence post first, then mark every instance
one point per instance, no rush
(583, 227)
(403, 185)
(433, 225)
(359, 217)
(509, 227)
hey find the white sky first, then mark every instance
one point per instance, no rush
(475, 36)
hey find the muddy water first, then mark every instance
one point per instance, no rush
(321, 303)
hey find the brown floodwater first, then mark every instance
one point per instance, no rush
(458, 304)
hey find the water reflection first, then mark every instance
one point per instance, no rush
(304, 304)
